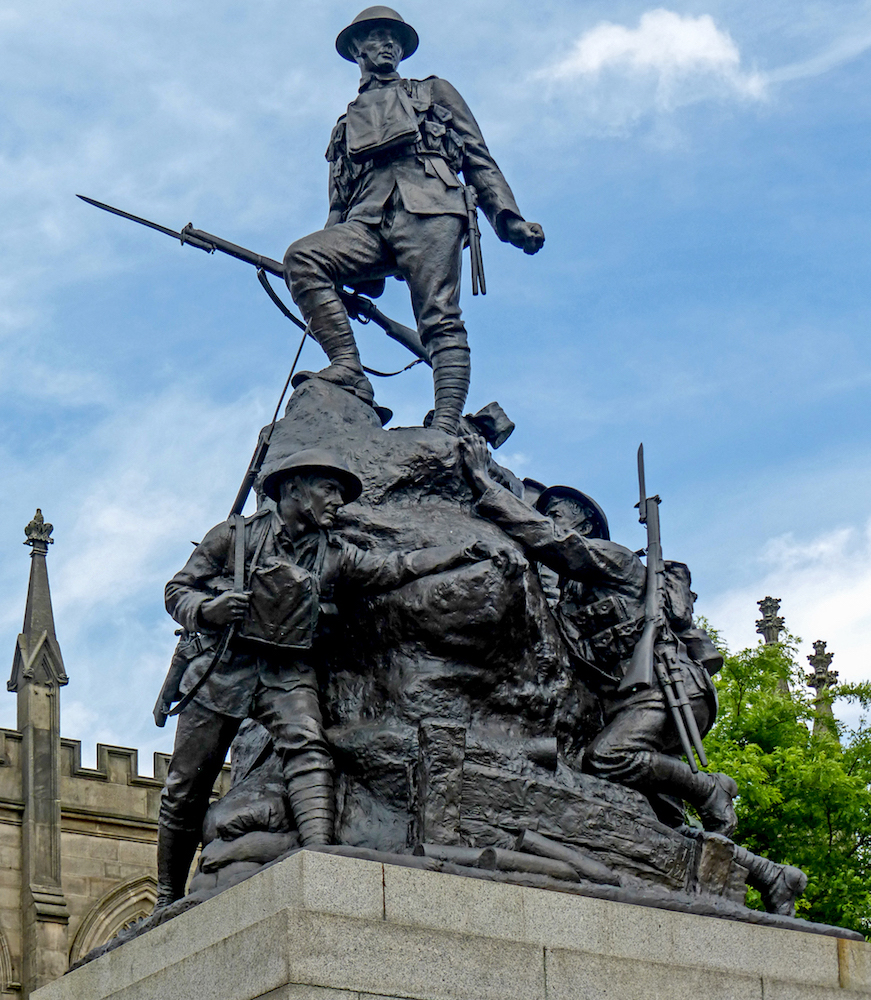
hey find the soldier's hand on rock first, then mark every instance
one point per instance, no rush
(223, 610)
(529, 236)
(476, 460)
(509, 561)
(505, 557)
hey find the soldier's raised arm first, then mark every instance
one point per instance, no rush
(568, 553)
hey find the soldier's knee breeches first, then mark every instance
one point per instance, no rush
(446, 332)
(309, 271)
(184, 799)
(293, 718)
(202, 739)
(620, 765)
(296, 738)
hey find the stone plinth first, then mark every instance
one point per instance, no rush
(321, 927)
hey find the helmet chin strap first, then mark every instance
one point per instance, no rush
(304, 503)
(302, 491)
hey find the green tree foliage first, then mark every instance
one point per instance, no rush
(804, 798)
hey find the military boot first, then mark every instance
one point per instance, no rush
(328, 324)
(175, 852)
(717, 811)
(779, 885)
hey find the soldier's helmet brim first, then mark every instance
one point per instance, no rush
(317, 460)
(375, 17)
(600, 522)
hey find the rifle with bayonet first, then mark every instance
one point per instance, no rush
(358, 306)
(655, 656)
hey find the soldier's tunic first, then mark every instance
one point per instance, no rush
(277, 687)
(397, 203)
(601, 616)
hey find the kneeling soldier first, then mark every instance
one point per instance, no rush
(249, 600)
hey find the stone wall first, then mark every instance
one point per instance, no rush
(108, 842)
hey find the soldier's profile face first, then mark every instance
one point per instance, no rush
(570, 516)
(316, 498)
(378, 51)
(325, 498)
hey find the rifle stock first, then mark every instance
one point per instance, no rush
(359, 307)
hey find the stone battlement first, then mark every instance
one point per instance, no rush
(115, 765)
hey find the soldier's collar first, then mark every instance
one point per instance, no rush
(295, 545)
(370, 79)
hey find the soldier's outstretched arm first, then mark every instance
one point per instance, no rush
(567, 553)
(375, 571)
(482, 172)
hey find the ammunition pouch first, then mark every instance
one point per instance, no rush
(283, 611)
(592, 619)
(613, 645)
(357, 147)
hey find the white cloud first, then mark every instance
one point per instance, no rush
(670, 60)
(518, 461)
(844, 50)
(824, 584)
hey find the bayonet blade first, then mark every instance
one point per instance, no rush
(132, 218)
(642, 488)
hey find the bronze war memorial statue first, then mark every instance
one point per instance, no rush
(412, 655)
(398, 206)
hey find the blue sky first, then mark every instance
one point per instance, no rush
(702, 174)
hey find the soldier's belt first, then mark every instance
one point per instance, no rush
(592, 619)
(616, 643)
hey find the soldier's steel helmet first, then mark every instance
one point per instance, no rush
(600, 522)
(375, 17)
(313, 460)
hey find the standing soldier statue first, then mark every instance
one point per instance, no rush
(398, 206)
(251, 602)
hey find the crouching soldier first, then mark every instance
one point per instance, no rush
(249, 601)
(600, 612)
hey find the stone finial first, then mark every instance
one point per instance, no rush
(770, 625)
(37, 656)
(822, 678)
(39, 533)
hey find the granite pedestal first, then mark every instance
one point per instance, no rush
(322, 927)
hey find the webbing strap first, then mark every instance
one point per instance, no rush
(239, 559)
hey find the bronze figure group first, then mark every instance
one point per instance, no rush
(428, 647)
